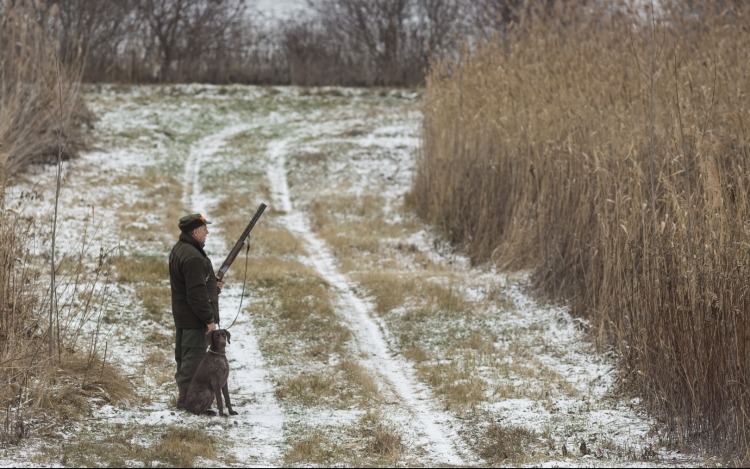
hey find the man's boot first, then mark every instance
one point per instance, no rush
(181, 398)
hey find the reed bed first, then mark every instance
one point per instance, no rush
(609, 153)
(30, 92)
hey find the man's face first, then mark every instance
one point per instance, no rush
(200, 233)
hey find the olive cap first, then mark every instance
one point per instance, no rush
(190, 222)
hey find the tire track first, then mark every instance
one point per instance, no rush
(438, 439)
(258, 432)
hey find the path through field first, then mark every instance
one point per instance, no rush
(260, 438)
(440, 440)
(363, 339)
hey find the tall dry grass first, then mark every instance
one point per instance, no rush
(36, 386)
(53, 359)
(610, 153)
(29, 116)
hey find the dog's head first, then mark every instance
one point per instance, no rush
(218, 339)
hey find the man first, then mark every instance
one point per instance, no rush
(195, 299)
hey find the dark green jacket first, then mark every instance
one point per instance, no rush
(195, 296)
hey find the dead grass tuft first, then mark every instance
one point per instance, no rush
(314, 448)
(160, 339)
(445, 300)
(179, 447)
(455, 383)
(505, 444)
(348, 383)
(157, 301)
(416, 354)
(359, 379)
(311, 158)
(307, 388)
(393, 290)
(267, 240)
(99, 378)
(141, 269)
(272, 271)
(353, 226)
(390, 289)
(383, 441)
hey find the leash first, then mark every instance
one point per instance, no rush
(244, 282)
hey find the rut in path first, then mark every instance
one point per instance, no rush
(437, 437)
(258, 444)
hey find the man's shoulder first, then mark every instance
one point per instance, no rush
(186, 251)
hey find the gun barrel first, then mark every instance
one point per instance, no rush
(240, 242)
(252, 223)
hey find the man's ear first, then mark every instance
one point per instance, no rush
(210, 338)
(228, 336)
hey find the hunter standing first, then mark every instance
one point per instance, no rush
(195, 299)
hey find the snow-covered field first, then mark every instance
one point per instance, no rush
(363, 339)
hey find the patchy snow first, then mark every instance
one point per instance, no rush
(193, 198)
(248, 379)
(176, 132)
(436, 436)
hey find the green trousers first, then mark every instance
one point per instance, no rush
(189, 350)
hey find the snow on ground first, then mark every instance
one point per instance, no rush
(161, 152)
(444, 449)
(248, 379)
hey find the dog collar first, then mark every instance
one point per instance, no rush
(217, 353)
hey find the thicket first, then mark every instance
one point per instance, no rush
(29, 117)
(335, 42)
(609, 152)
(51, 360)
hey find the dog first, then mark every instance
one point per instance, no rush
(210, 378)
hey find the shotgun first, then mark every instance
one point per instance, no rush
(240, 242)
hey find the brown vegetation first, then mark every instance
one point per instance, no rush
(505, 444)
(336, 42)
(611, 155)
(176, 447)
(64, 385)
(29, 115)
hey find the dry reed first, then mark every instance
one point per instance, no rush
(537, 154)
(79, 372)
(53, 363)
(29, 116)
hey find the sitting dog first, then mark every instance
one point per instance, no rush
(210, 378)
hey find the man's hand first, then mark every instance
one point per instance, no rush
(211, 327)
(219, 284)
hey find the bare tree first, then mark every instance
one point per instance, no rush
(99, 27)
(186, 28)
(378, 25)
(441, 25)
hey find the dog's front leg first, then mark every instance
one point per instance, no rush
(219, 404)
(225, 391)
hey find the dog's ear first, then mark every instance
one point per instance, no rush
(210, 338)
(228, 336)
